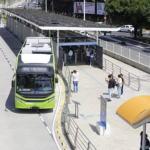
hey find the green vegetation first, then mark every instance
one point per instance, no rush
(3, 18)
(135, 12)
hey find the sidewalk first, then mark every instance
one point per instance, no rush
(91, 85)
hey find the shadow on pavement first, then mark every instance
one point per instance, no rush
(107, 99)
(10, 105)
(11, 40)
(93, 128)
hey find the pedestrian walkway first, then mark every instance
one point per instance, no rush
(91, 85)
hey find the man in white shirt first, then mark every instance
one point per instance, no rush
(75, 76)
(70, 56)
(88, 56)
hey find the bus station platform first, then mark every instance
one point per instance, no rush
(91, 86)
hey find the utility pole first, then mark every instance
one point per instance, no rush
(45, 5)
(52, 5)
(84, 10)
(105, 15)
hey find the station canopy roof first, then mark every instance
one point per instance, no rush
(52, 21)
(136, 111)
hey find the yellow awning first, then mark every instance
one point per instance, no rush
(136, 110)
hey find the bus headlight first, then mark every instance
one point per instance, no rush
(51, 99)
(18, 99)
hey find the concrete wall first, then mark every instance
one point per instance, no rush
(127, 61)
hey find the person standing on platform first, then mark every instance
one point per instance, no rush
(110, 85)
(147, 143)
(75, 76)
(114, 84)
(92, 58)
(119, 85)
(87, 56)
(70, 56)
(123, 83)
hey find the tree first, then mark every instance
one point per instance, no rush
(135, 12)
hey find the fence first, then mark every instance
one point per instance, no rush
(130, 79)
(134, 55)
(76, 136)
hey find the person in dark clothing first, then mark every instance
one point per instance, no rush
(92, 58)
(147, 143)
(114, 84)
(110, 85)
(123, 83)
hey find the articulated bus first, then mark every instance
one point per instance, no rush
(35, 75)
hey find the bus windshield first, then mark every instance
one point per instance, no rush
(35, 83)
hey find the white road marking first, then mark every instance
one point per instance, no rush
(46, 126)
(57, 109)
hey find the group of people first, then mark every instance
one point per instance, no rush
(112, 83)
(89, 56)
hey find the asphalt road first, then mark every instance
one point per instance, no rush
(20, 129)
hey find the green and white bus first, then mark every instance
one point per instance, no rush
(35, 75)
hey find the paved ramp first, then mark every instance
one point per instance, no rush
(20, 129)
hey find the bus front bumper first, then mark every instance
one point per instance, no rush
(21, 104)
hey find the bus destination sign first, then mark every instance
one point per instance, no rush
(34, 69)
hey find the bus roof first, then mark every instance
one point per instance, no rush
(37, 45)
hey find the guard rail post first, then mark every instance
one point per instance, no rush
(68, 125)
(63, 68)
(129, 78)
(129, 53)
(112, 68)
(139, 86)
(105, 65)
(106, 45)
(113, 48)
(88, 146)
(69, 93)
(75, 140)
(121, 50)
(120, 70)
(139, 57)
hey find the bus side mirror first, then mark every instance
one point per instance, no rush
(13, 83)
(56, 80)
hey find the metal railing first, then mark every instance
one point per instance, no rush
(130, 79)
(131, 54)
(77, 138)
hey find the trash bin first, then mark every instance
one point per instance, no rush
(141, 31)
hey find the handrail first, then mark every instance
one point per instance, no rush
(125, 52)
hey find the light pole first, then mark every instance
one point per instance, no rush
(52, 6)
(84, 10)
(105, 13)
(45, 5)
(73, 10)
